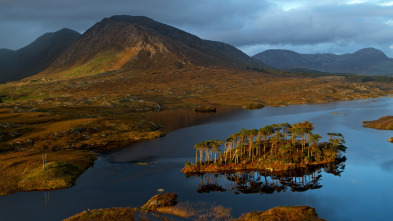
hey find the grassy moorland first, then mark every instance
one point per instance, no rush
(25, 171)
(106, 110)
(109, 108)
(273, 147)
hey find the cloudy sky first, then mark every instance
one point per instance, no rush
(328, 26)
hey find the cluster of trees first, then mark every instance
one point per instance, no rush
(282, 143)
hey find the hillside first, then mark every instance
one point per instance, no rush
(368, 61)
(35, 57)
(140, 43)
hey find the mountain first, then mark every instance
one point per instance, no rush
(368, 61)
(35, 57)
(137, 42)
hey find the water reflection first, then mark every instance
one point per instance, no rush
(171, 120)
(265, 182)
(47, 198)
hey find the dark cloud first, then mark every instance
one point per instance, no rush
(248, 24)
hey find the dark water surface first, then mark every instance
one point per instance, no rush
(362, 191)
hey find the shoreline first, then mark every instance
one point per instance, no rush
(125, 143)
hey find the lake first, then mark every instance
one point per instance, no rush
(130, 176)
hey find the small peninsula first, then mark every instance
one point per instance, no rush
(275, 147)
(383, 123)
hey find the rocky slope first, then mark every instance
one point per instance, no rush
(140, 43)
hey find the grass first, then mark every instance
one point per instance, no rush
(187, 210)
(24, 171)
(198, 211)
(253, 106)
(102, 62)
(113, 214)
(293, 213)
(71, 128)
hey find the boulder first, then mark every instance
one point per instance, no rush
(160, 200)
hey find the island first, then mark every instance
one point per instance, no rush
(275, 147)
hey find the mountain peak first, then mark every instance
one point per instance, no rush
(139, 42)
(372, 53)
(130, 19)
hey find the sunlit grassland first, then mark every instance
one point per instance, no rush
(113, 214)
(26, 171)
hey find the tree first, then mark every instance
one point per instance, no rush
(337, 141)
(266, 132)
(242, 146)
(199, 147)
(303, 130)
(313, 140)
(277, 138)
(214, 146)
(285, 127)
(250, 136)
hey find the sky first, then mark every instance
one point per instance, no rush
(328, 26)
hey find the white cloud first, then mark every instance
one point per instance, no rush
(386, 3)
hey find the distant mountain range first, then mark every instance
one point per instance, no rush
(129, 43)
(36, 57)
(368, 61)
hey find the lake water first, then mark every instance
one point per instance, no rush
(361, 192)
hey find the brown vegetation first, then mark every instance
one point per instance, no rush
(205, 108)
(113, 214)
(24, 127)
(100, 103)
(285, 213)
(383, 123)
(159, 201)
(26, 171)
(253, 106)
(198, 211)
